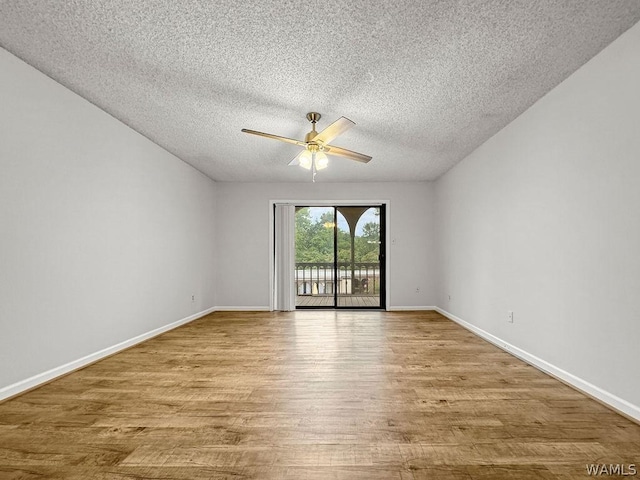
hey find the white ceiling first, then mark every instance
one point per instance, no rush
(426, 82)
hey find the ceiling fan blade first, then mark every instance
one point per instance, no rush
(296, 160)
(343, 152)
(275, 137)
(332, 131)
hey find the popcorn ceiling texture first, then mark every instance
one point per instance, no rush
(426, 82)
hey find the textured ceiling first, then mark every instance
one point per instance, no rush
(426, 82)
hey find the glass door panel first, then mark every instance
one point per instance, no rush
(359, 254)
(315, 257)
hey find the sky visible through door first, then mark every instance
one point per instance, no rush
(367, 217)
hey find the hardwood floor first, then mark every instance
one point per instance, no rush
(311, 394)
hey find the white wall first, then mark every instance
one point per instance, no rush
(242, 237)
(103, 235)
(544, 219)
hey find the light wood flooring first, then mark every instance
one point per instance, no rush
(311, 395)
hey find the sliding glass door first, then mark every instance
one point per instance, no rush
(340, 257)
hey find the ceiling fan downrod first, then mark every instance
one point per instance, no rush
(313, 117)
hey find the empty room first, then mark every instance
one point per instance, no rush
(319, 240)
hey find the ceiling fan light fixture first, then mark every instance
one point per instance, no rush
(321, 161)
(306, 159)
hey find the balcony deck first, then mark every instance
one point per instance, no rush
(343, 301)
(356, 284)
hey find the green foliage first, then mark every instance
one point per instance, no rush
(314, 241)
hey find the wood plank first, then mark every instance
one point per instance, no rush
(311, 394)
(326, 301)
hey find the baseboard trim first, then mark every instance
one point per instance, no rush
(23, 386)
(233, 308)
(403, 308)
(610, 400)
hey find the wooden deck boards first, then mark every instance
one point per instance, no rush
(311, 395)
(343, 301)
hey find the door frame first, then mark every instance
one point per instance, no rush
(382, 264)
(331, 203)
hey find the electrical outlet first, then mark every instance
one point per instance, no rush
(193, 298)
(510, 316)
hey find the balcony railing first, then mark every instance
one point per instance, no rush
(360, 278)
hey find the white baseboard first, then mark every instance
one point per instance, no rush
(41, 378)
(403, 308)
(233, 308)
(620, 405)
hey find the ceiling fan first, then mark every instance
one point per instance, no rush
(316, 145)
